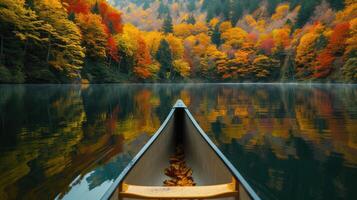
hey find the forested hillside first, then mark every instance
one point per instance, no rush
(98, 41)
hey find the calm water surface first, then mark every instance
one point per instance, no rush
(71, 142)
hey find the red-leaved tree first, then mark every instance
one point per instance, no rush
(335, 48)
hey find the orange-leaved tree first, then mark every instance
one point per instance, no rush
(335, 47)
(143, 60)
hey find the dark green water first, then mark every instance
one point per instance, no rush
(71, 142)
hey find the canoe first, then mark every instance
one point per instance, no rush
(215, 177)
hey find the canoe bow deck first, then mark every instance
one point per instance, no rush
(215, 176)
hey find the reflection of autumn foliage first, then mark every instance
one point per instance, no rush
(81, 129)
(263, 116)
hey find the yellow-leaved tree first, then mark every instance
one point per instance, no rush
(305, 51)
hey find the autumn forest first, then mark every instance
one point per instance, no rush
(115, 41)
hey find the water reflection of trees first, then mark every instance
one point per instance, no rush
(278, 136)
(287, 141)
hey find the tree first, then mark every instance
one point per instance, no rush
(305, 51)
(182, 68)
(191, 19)
(216, 36)
(143, 60)
(167, 25)
(152, 40)
(183, 30)
(272, 4)
(281, 38)
(237, 11)
(280, 12)
(306, 10)
(112, 50)
(111, 17)
(265, 68)
(176, 46)
(267, 44)
(164, 57)
(78, 6)
(127, 43)
(335, 47)
(95, 8)
(350, 67)
(94, 35)
(64, 52)
(234, 37)
(23, 37)
(337, 4)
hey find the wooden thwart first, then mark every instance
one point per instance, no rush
(185, 192)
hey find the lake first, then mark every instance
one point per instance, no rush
(290, 141)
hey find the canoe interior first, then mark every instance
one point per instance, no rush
(208, 168)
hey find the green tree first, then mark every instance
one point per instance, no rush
(164, 57)
(95, 8)
(336, 4)
(23, 36)
(307, 9)
(168, 26)
(216, 36)
(237, 11)
(191, 19)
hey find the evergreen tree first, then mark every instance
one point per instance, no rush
(226, 9)
(168, 26)
(95, 8)
(164, 57)
(191, 20)
(336, 4)
(216, 36)
(210, 14)
(272, 4)
(237, 11)
(307, 9)
(72, 16)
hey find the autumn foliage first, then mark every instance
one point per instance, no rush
(209, 40)
(335, 47)
(78, 6)
(111, 17)
(143, 60)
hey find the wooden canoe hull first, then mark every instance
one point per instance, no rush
(215, 176)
